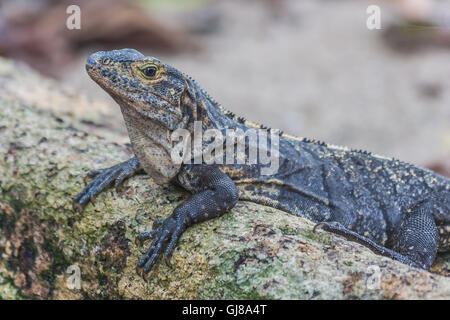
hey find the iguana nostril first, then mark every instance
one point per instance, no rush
(90, 60)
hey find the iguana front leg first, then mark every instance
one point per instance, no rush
(103, 179)
(214, 193)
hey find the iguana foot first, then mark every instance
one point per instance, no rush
(214, 195)
(102, 180)
(165, 232)
(338, 228)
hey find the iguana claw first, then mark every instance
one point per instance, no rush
(166, 234)
(103, 179)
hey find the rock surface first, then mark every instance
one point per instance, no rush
(252, 252)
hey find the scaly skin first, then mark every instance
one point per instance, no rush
(396, 209)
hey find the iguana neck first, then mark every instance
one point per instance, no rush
(151, 144)
(202, 107)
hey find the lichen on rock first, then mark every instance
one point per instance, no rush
(253, 252)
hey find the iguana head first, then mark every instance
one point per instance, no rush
(141, 84)
(155, 100)
(151, 96)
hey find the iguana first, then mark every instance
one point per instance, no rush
(396, 209)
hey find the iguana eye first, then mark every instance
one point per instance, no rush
(106, 61)
(149, 72)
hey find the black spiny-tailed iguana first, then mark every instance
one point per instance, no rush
(396, 209)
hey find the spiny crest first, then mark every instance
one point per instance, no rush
(205, 93)
(313, 141)
(362, 151)
(226, 112)
(241, 119)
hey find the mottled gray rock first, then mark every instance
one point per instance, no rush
(252, 252)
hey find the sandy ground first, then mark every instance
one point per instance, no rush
(318, 72)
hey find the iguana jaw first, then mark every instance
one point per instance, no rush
(119, 72)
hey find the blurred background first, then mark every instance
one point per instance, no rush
(309, 67)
